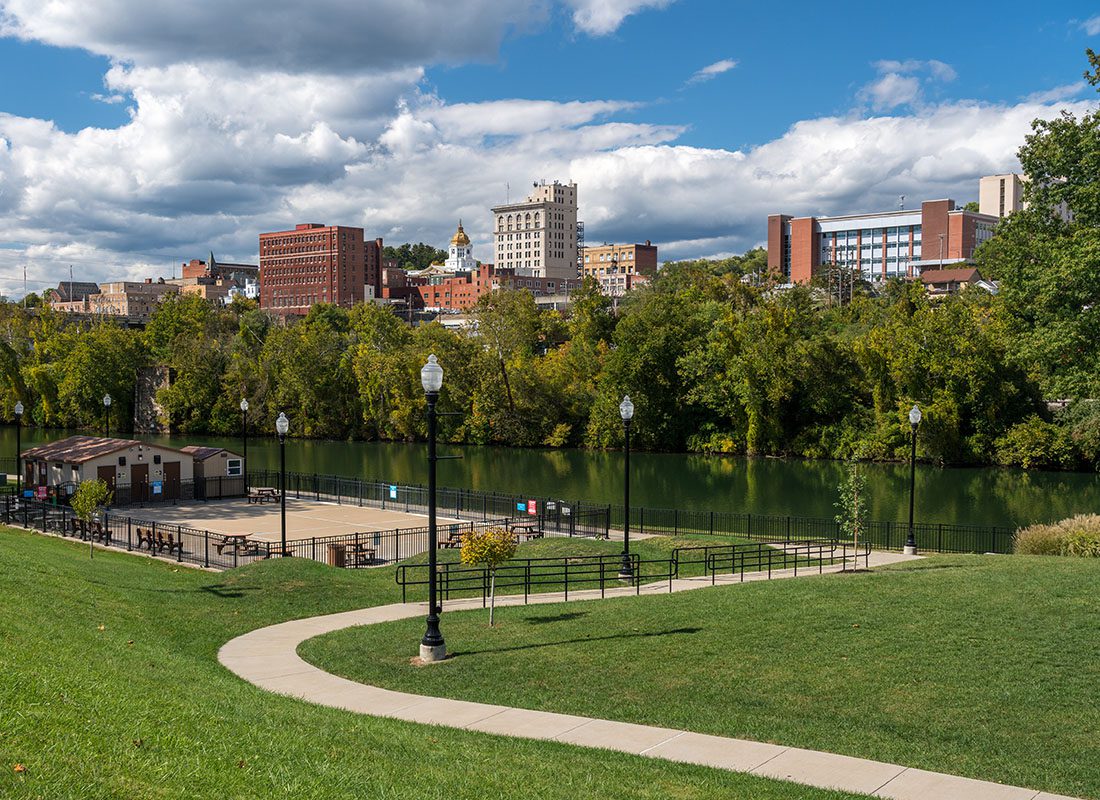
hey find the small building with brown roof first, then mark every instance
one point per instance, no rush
(144, 470)
(218, 472)
(949, 281)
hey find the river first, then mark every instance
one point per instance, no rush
(960, 495)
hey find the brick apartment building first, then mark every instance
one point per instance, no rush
(618, 268)
(215, 280)
(460, 291)
(882, 245)
(317, 264)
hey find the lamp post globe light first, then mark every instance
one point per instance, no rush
(432, 646)
(914, 423)
(282, 425)
(107, 413)
(18, 447)
(244, 441)
(626, 411)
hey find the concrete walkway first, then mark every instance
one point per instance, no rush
(268, 658)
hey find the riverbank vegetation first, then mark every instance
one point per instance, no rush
(715, 358)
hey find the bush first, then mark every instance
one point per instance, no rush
(1076, 536)
(1036, 444)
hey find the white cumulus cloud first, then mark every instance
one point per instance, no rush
(601, 17)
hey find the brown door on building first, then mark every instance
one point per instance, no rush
(171, 490)
(139, 482)
(107, 475)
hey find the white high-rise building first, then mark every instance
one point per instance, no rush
(538, 237)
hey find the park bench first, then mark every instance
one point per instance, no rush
(101, 533)
(263, 494)
(144, 539)
(77, 527)
(169, 543)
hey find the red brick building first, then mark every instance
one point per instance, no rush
(882, 245)
(460, 291)
(317, 264)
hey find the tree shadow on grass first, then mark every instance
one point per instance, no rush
(226, 590)
(565, 617)
(536, 645)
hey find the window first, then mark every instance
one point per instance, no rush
(233, 467)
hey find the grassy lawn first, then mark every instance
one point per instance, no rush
(111, 689)
(986, 666)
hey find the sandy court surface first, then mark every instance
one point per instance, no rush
(304, 518)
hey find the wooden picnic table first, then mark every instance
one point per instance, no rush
(239, 543)
(360, 555)
(524, 531)
(262, 494)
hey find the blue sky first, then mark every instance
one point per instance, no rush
(132, 141)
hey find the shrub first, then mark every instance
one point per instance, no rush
(1075, 536)
(1036, 444)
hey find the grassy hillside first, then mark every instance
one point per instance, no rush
(111, 689)
(977, 665)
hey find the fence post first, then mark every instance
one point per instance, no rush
(44, 518)
(675, 522)
(179, 545)
(711, 523)
(206, 548)
(788, 529)
(129, 536)
(939, 538)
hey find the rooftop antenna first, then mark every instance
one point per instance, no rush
(507, 193)
(901, 202)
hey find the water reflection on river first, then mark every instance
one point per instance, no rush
(760, 486)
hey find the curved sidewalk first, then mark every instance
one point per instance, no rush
(268, 658)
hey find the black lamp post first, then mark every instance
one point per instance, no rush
(18, 447)
(282, 425)
(244, 440)
(432, 646)
(107, 413)
(626, 411)
(914, 422)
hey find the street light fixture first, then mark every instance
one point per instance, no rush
(626, 411)
(432, 646)
(107, 413)
(282, 425)
(18, 447)
(244, 439)
(914, 423)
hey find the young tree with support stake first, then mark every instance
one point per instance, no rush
(852, 506)
(488, 548)
(89, 497)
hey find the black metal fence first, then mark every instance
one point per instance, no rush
(582, 518)
(206, 548)
(571, 518)
(529, 576)
(930, 536)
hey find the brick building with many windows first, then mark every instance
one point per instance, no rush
(887, 244)
(618, 268)
(317, 264)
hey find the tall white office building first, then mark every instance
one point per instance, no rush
(538, 237)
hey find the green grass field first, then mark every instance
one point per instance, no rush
(985, 666)
(111, 689)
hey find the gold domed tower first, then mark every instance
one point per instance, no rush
(460, 255)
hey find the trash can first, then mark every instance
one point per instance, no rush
(337, 555)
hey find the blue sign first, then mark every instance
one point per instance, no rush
(393, 492)
(158, 487)
(28, 492)
(521, 506)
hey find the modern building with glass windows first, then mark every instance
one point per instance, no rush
(883, 245)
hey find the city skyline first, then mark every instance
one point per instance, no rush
(138, 140)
